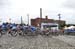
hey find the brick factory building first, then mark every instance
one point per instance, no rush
(36, 22)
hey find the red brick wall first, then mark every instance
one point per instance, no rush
(36, 21)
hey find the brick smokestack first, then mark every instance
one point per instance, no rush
(46, 17)
(40, 16)
(40, 12)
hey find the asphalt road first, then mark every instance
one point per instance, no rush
(37, 42)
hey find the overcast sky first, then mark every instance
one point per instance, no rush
(16, 8)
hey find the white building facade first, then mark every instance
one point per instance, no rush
(49, 26)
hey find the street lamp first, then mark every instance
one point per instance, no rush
(59, 19)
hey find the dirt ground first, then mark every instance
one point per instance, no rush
(30, 42)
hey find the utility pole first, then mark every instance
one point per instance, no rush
(21, 20)
(59, 20)
(28, 18)
(40, 16)
(9, 20)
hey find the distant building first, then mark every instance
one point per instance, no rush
(48, 22)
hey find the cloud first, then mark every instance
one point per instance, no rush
(14, 8)
(69, 4)
(4, 3)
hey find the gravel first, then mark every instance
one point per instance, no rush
(70, 40)
(32, 42)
